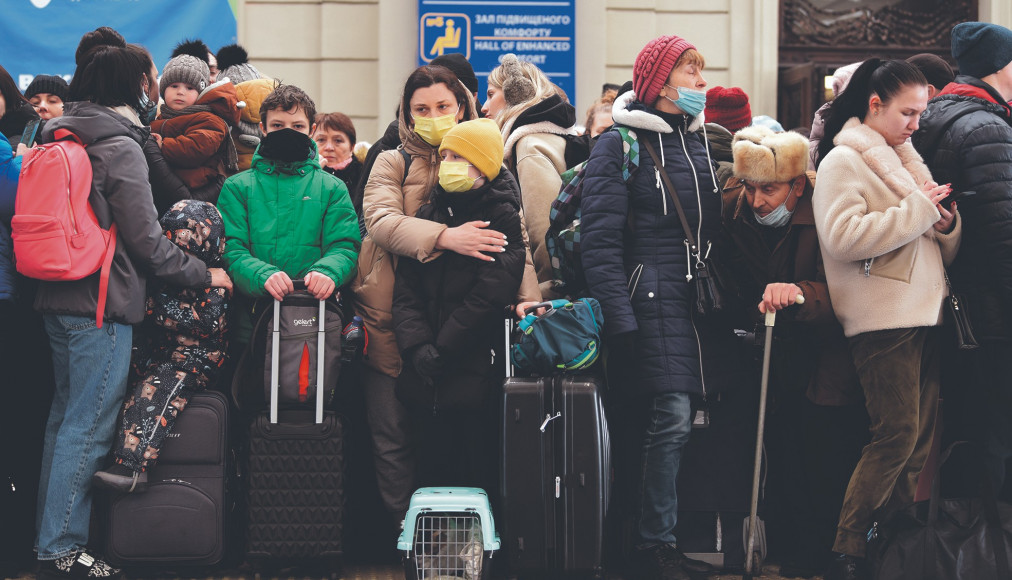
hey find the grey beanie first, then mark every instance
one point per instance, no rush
(185, 69)
(233, 63)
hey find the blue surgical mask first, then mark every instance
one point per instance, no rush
(690, 101)
(777, 218)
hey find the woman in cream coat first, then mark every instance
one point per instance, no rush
(885, 241)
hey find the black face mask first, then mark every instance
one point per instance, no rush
(286, 145)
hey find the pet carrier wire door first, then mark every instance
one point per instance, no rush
(448, 533)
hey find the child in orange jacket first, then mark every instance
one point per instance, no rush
(193, 126)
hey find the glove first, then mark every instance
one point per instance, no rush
(427, 361)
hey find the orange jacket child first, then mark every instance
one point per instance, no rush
(194, 123)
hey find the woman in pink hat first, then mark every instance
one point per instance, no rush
(637, 262)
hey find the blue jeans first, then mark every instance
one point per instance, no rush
(91, 366)
(668, 423)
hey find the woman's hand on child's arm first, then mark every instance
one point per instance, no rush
(220, 279)
(471, 239)
(278, 285)
(319, 285)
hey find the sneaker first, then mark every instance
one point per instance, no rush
(846, 567)
(122, 479)
(79, 564)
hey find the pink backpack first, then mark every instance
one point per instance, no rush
(56, 234)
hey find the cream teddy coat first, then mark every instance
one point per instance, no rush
(884, 261)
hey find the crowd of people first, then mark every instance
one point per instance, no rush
(226, 187)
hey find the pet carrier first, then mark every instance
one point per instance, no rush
(448, 533)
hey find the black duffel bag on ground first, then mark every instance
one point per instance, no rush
(945, 539)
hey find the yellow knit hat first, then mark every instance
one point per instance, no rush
(478, 141)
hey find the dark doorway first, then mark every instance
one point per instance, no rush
(819, 36)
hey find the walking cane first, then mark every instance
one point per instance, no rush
(750, 564)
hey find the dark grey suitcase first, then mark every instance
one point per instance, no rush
(556, 473)
(182, 518)
(296, 478)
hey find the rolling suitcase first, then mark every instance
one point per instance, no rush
(182, 518)
(296, 475)
(556, 472)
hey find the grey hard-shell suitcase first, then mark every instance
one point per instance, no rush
(556, 472)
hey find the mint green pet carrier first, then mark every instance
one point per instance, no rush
(448, 533)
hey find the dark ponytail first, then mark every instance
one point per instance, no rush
(885, 78)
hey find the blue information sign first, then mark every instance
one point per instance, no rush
(40, 36)
(539, 31)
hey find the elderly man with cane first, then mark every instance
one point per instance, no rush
(816, 425)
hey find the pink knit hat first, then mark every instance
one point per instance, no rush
(653, 65)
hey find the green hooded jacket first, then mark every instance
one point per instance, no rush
(293, 217)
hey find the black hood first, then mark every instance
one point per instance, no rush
(551, 110)
(91, 122)
(13, 122)
(720, 140)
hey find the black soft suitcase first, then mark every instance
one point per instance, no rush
(296, 480)
(556, 473)
(182, 518)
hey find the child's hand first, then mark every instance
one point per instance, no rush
(278, 285)
(319, 285)
(220, 279)
(158, 139)
(22, 150)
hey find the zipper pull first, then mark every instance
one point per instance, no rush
(867, 267)
(688, 262)
(558, 487)
(450, 209)
(493, 355)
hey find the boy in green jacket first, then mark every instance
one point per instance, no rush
(285, 218)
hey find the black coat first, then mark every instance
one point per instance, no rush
(457, 302)
(166, 187)
(350, 175)
(965, 138)
(120, 193)
(638, 273)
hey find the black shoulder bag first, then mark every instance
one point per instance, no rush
(710, 286)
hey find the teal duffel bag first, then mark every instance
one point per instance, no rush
(567, 337)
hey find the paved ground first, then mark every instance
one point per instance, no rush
(397, 573)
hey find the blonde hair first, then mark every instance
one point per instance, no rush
(529, 75)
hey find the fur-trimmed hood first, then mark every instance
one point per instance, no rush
(629, 112)
(900, 167)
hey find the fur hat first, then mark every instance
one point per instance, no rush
(480, 142)
(233, 64)
(653, 65)
(49, 84)
(762, 156)
(185, 69)
(981, 49)
(728, 108)
(196, 227)
(517, 88)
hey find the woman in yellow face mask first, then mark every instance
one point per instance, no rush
(447, 314)
(400, 182)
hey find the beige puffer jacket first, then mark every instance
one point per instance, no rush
(389, 204)
(540, 159)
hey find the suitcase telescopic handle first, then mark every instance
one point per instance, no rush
(276, 351)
